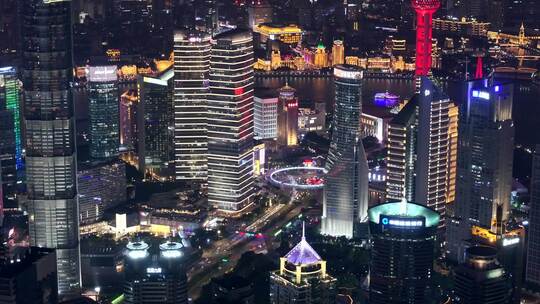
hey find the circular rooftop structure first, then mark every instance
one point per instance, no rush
(304, 178)
(404, 209)
(171, 249)
(137, 246)
(137, 250)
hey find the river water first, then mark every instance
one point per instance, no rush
(526, 110)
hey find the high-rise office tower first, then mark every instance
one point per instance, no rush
(155, 275)
(29, 277)
(155, 124)
(421, 149)
(103, 112)
(481, 279)
(287, 125)
(230, 122)
(346, 195)
(346, 190)
(265, 115)
(532, 272)
(191, 68)
(338, 53)
(302, 278)
(348, 111)
(47, 74)
(484, 171)
(403, 250)
(424, 26)
(10, 137)
(9, 96)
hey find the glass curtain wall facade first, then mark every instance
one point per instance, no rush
(230, 122)
(9, 93)
(346, 122)
(104, 112)
(485, 160)
(155, 124)
(47, 72)
(191, 68)
(10, 136)
(346, 190)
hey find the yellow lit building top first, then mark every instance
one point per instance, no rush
(287, 34)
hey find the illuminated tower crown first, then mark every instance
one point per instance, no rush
(424, 24)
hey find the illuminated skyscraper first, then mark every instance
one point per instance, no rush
(287, 117)
(9, 93)
(424, 25)
(338, 53)
(47, 72)
(421, 150)
(346, 122)
(10, 136)
(191, 68)
(230, 122)
(346, 188)
(402, 254)
(104, 112)
(302, 278)
(484, 171)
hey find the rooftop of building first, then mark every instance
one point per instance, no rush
(276, 28)
(191, 35)
(303, 253)
(234, 35)
(404, 208)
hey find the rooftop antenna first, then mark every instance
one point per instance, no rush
(403, 204)
(303, 230)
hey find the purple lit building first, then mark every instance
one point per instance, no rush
(386, 100)
(302, 278)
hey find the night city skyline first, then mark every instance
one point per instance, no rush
(270, 151)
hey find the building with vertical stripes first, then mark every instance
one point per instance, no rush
(230, 122)
(422, 143)
(191, 72)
